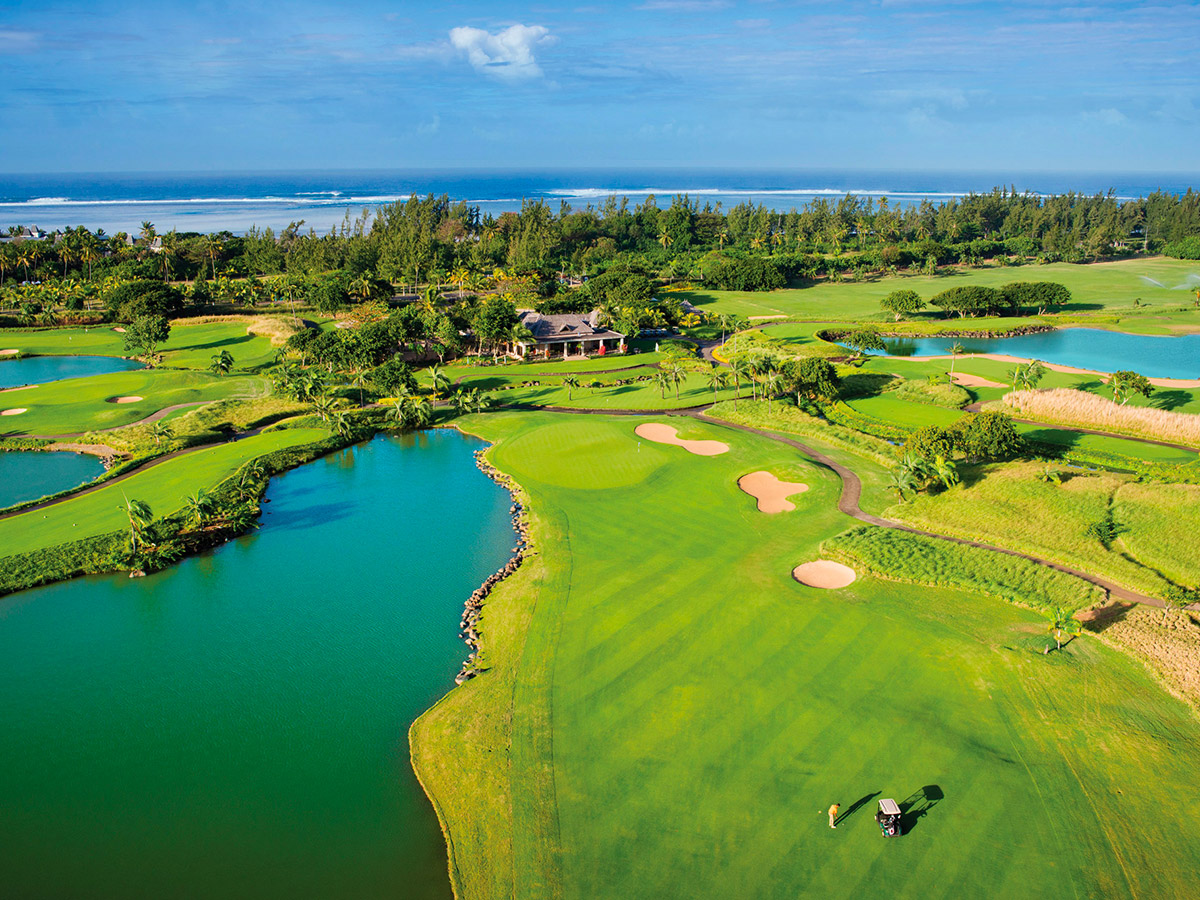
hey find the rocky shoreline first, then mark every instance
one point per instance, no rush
(469, 626)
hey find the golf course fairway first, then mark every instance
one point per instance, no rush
(665, 712)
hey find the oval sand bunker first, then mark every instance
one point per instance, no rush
(13, 412)
(770, 492)
(666, 434)
(824, 573)
(9, 352)
(961, 378)
(125, 399)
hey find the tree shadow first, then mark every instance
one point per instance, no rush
(1169, 400)
(224, 342)
(865, 384)
(917, 805)
(856, 806)
(1053, 441)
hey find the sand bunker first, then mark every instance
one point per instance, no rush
(119, 330)
(965, 380)
(125, 399)
(824, 574)
(9, 352)
(13, 412)
(665, 434)
(770, 492)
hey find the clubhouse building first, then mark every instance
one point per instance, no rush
(567, 334)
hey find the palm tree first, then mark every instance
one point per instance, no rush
(772, 385)
(718, 380)
(342, 425)
(420, 411)
(1062, 622)
(222, 363)
(945, 471)
(325, 405)
(903, 482)
(570, 383)
(741, 368)
(213, 249)
(663, 381)
(399, 411)
(439, 380)
(665, 239)
(140, 518)
(461, 402)
(163, 430)
(199, 507)
(955, 350)
(675, 373)
(460, 276)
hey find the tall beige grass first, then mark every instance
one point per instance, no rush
(1080, 409)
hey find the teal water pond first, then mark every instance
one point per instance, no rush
(29, 474)
(236, 726)
(1084, 348)
(40, 369)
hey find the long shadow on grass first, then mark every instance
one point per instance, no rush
(857, 805)
(224, 342)
(917, 805)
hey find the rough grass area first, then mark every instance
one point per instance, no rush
(1170, 646)
(1161, 523)
(901, 556)
(201, 425)
(667, 713)
(944, 394)
(1081, 409)
(1010, 506)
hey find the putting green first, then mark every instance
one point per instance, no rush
(680, 712)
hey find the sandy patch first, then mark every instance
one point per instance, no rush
(131, 399)
(119, 330)
(666, 434)
(770, 492)
(13, 412)
(824, 573)
(1055, 367)
(9, 352)
(24, 387)
(102, 450)
(965, 380)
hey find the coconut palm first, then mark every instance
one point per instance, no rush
(1061, 623)
(420, 411)
(325, 405)
(718, 380)
(663, 381)
(945, 471)
(342, 426)
(665, 239)
(955, 350)
(163, 430)
(570, 383)
(740, 368)
(439, 380)
(222, 363)
(772, 385)
(903, 482)
(461, 401)
(140, 518)
(199, 507)
(212, 249)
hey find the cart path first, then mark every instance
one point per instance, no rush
(848, 503)
(137, 470)
(153, 417)
(978, 407)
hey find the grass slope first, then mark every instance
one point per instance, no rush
(80, 404)
(165, 487)
(669, 714)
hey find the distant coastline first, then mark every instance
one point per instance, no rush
(206, 202)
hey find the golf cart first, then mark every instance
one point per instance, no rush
(888, 818)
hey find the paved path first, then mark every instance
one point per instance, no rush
(153, 417)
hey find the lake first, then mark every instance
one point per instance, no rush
(40, 369)
(1085, 348)
(236, 726)
(29, 474)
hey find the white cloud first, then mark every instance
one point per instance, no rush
(1107, 116)
(507, 54)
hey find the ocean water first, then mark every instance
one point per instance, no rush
(236, 201)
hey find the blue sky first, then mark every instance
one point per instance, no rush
(890, 84)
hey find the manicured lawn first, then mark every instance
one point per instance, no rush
(679, 712)
(904, 412)
(693, 391)
(165, 487)
(1106, 290)
(81, 404)
(454, 371)
(190, 346)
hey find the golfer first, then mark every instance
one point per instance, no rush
(833, 814)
